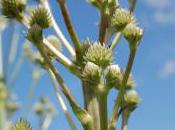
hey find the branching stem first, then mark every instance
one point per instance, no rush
(57, 29)
(120, 97)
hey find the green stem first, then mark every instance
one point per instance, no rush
(80, 113)
(116, 40)
(120, 97)
(1, 57)
(103, 26)
(125, 116)
(103, 112)
(69, 25)
(91, 105)
(2, 115)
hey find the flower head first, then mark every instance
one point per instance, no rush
(99, 55)
(40, 16)
(13, 8)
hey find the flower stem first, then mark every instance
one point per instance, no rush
(58, 31)
(116, 40)
(80, 113)
(62, 103)
(69, 26)
(102, 100)
(103, 27)
(91, 105)
(120, 97)
(2, 115)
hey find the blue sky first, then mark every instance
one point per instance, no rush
(154, 67)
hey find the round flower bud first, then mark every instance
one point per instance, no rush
(99, 55)
(55, 42)
(34, 34)
(133, 34)
(21, 125)
(132, 99)
(13, 8)
(40, 16)
(91, 73)
(120, 19)
(112, 75)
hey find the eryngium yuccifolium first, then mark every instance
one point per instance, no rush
(55, 42)
(21, 125)
(133, 34)
(99, 55)
(120, 19)
(132, 99)
(34, 34)
(40, 16)
(13, 8)
(112, 75)
(91, 74)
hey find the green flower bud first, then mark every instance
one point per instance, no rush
(55, 42)
(132, 99)
(91, 73)
(133, 34)
(13, 8)
(99, 55)
(40, 16)
(112, 75)
(34, 34)
(120, 19)
(21, 125)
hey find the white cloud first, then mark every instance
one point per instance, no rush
(168, 69)
(164, 11)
